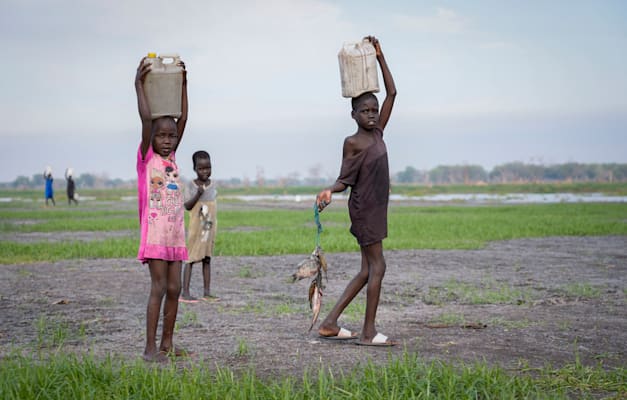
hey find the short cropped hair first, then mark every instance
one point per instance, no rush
(157, 121)
(198, 155)
(356, 101)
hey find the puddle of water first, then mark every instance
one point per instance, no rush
(512, 198)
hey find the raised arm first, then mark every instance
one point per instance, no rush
(142, 105)
(180, 124)
(388, 82)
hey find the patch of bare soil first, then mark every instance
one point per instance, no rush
(544, 301)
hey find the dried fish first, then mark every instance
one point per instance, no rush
(322, 258)
(315, 301)
(306, 269)
(310, 266)
(313, 266)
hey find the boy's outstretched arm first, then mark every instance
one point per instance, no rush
(180, 123)
(142, 105)
(388, 81)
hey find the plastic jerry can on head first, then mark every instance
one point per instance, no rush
(164, 85)
(358, 68)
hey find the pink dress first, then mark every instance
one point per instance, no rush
(161, 212)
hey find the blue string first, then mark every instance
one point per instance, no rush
(319, 225)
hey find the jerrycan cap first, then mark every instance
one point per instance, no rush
(152, 55)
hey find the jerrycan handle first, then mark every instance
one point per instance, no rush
(170, 56)
(364, 63)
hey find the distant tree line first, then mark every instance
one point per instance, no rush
(514, 172)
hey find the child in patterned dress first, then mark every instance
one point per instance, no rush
(161, 217)
(203, 224)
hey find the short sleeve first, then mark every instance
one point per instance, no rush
(190, 191)
(349, 172)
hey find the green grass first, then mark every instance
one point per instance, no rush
(582, 290)
(293, 231)
(489, 292)
(186, 318)
(22, 253)
(55, 333)
(60, 375)
(559, 187)
(405, 377)
(511, 324)
(448, 318)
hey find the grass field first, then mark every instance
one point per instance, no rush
(292, 231)
(31, 234)
(619, 189)
(405, 377)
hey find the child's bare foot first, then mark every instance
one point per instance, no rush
(335, 332)
(209, 297)
(186, 298)
(156, 357)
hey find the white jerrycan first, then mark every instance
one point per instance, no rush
(164, 85)
(358, 68)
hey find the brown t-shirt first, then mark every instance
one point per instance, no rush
(367, 174)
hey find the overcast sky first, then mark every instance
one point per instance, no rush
(481, 82)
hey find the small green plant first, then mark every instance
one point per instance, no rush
(355, 311)
(187, 319)
(582, 290)
(448, 318)
(51, 333)
(488, 292)
(287, 308)
(245, 272)
(510, 324)
(107, 301)
(564, 325)
(243, 349)
(24, 273)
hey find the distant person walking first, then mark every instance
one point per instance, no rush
(71, 187)
(203, 223)
(49, 190)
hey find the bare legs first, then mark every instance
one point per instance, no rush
(165, 277)
(206, 276)
(371, 274)
(206, 279)
(187, 275)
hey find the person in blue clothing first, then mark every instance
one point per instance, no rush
(49, 191)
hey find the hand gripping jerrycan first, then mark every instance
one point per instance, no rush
(358, 68)
(164, 85)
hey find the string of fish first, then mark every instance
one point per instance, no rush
(314, 266)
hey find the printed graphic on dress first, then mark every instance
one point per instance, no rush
(205, 223)
(157, 183)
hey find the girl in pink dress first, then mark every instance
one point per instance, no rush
(161, 217)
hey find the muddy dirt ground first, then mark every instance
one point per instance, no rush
(559, 297)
